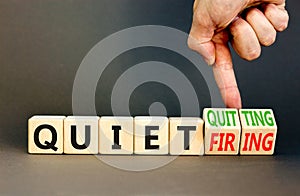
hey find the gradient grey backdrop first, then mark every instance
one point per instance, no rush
(42, 43)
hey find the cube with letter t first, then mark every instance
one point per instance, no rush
(222, 131)
(259, 131)
(186, 136)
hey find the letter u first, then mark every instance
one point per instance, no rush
(87, 140)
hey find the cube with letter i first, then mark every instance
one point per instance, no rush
(259, 131)
(222, 131)
(116, 135)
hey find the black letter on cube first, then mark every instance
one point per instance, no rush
(150, 137)
(48, 145)
(116, 145)
(87, 138)
(186, 130)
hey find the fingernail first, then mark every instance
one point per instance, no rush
(239, 104)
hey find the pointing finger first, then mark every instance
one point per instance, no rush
(224, 73)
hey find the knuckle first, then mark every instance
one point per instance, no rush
(269, 39)
(197, 17)
(253, 54)
(252, 13)
(237, 27)
(191, 42)
(284, 22)
(282, 26)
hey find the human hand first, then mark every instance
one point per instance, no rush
(215, 21)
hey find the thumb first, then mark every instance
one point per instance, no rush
(201, 34)
(196, 2)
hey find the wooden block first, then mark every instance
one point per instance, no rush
(81, 135)
(259, 131)
(45, 134)
(222, 131)
(116, 135)
(186, 136)
(151, 135)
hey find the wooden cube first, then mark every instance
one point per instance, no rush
(151, 135)
(186, 136)
(45, 134)
(81, 135)
(116, 135)
(222, 131)
(259, 131)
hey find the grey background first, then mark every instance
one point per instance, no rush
(41, 46)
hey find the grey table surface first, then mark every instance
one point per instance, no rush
(42, 43)
(209, 175)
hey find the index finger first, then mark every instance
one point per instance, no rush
(225, 77)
